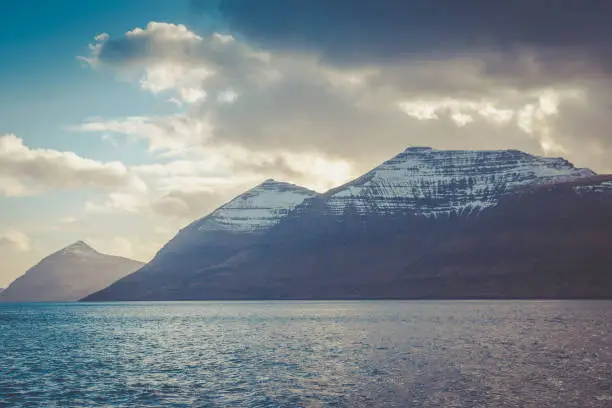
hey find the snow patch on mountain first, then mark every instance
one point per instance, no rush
(599, 188)
(431, 182)
(236, 223)
(256, 210)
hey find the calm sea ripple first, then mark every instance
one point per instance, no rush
(310, 354)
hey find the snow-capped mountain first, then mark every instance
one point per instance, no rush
(213, 238)
(256, 210)
(522, 227)
(68, 275)
(425, 181)
(248, 215)
(547, 242)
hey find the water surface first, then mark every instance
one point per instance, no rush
(319, 354)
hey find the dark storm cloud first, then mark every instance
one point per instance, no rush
(468, 49)
(359, 30)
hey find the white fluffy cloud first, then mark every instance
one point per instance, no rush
(171, 135)
(14, 240)
(24, 170)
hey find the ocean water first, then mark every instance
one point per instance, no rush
(311, 354)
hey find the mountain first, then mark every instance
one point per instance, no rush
(424, 181)
(548, 242)
(68, 275)
(426, 224)
(212, 239)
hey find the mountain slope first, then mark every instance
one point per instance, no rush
(212, 239)
(68, 275)
(422, 182)
(546, 243)
(425, 224)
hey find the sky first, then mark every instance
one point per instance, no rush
(123, 121)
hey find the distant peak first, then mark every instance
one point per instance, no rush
(79, 247)
(272, 184)
(80, 244)
(270, 181)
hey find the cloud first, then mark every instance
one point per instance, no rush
(124, 201)
(25, 171)
(118, 246)
(188, 205)
(72, 223)
(14, 240)
(175, 134)
(12, 188)
(190, 188)
(259, 99)
(346, 31)
(101, 37)
(176, 59)
(459, 49)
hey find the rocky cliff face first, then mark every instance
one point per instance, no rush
(212, 239)
(68, 275)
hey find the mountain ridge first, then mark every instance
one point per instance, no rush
(406, 217)
(406, 181)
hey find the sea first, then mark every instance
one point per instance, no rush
(307, 354)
